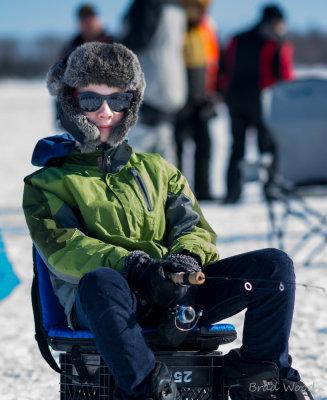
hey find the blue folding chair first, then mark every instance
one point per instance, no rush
(198, 371)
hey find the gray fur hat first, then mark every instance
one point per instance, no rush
(96, 63)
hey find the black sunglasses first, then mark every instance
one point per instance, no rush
(89, 101)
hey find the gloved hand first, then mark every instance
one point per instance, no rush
(208, 108)
(169, 335)
(149, 278)
(188, 262)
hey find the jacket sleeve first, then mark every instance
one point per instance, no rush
(140, 23)
(286, 67)
(227, 66)
(186, 227)
(58, 235)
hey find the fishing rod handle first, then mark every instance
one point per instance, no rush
(188, 278)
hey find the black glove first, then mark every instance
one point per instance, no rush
(188, 262)
(149, 278)
(169, 335)
(208, 108)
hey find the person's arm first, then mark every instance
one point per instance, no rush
(187, 231)
(58, 236)
(141, 22)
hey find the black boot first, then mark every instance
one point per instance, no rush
(163, 386)
(254, 380)
(291, 390)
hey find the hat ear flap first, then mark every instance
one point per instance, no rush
(55, 76)
(70, 126)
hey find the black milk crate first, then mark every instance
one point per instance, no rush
(100, 387)
(198, 375)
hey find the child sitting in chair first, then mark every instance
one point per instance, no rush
(112, 225)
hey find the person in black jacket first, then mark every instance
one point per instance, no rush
(252, 61)
(90, 30)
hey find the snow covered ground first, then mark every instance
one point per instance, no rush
(26, 115)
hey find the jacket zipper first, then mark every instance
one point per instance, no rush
(142, 187)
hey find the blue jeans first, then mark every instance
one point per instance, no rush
(106, 306)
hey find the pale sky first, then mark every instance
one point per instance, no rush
(31, 18)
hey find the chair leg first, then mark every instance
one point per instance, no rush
(276, 234)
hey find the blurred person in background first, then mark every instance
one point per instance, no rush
(154, 30)
(201, 55)
(252, 61)
(91, 29)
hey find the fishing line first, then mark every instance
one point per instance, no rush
(281, 284)
(199, 278)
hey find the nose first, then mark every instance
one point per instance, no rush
(105, 111)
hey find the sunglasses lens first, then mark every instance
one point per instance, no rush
(119, 101)
(92, 101)
(89, 101)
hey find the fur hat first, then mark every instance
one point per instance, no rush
(96, 63)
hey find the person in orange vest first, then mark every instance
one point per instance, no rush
(201, 55)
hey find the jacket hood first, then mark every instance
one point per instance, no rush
(52, 147)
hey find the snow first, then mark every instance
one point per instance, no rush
(26, 116)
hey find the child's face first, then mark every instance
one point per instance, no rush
(104, 118)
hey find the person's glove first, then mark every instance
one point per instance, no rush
(208, 108)
(169, 335)
(149, 278)
(188, 262)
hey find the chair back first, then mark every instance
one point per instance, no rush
(296, 114)
(52, 312)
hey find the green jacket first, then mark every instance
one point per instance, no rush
(81, 217)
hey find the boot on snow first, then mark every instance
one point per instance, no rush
(254, 380)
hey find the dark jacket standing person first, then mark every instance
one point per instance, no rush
(201, 55)
(112, 225)
(90, 28)
(252, 61)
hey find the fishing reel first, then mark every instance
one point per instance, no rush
(186, 315)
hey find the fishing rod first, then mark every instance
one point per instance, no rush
(186, 314)
(198, 278)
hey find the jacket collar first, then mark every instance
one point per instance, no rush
(63, 148)
(113, 160)
(110, 160)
